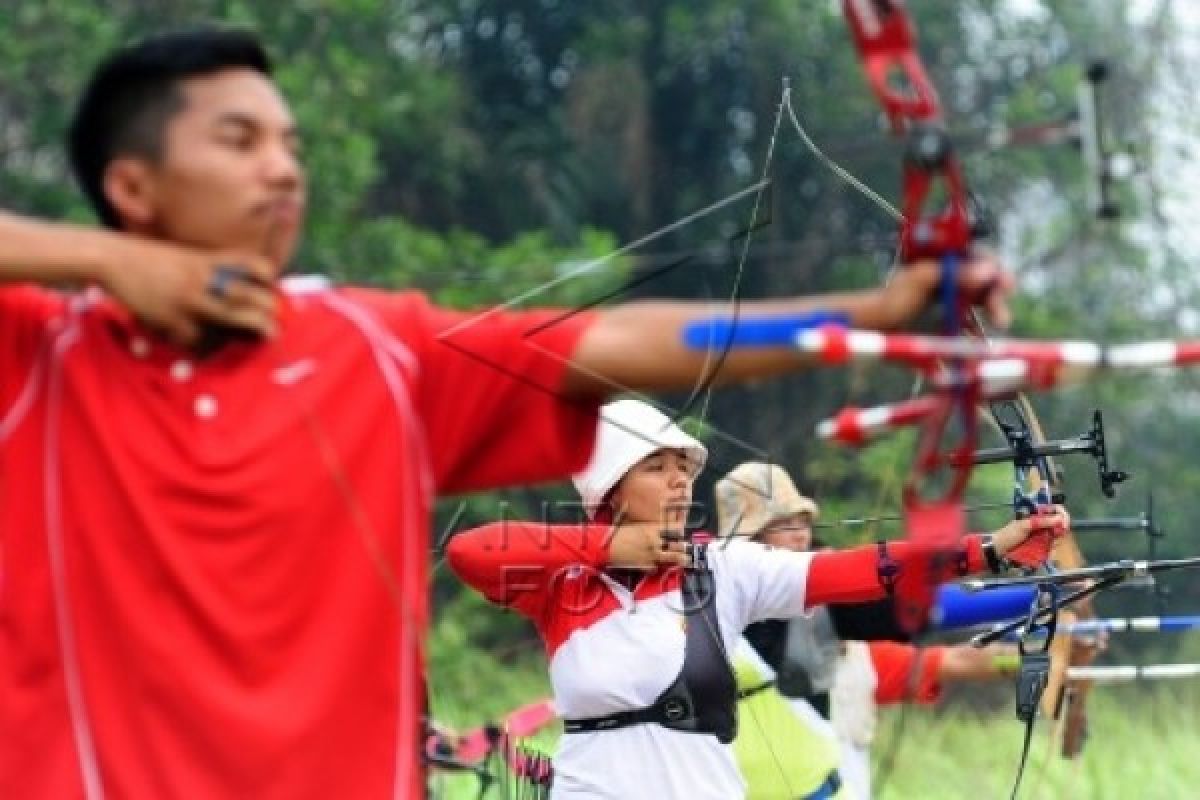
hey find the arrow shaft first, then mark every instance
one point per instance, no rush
(1172, 624)
(851, 522)
(1115, 573)
(1110, 524)
(1062, 447)
(1125, 674)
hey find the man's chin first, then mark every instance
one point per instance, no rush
(280, 260)
(278, 244)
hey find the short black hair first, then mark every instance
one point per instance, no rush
(134, 92)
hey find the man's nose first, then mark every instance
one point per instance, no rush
(281, 166)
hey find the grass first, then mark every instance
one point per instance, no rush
(1144, 742)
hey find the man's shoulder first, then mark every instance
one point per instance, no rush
(32, 304)
(403, 304)
(317, 284)
(395, 311)
(305, 284)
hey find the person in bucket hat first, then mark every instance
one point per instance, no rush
(756, 496)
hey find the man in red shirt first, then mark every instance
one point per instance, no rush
(215, 485)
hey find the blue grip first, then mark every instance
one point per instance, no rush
(776, 330)
(955, 607)
(948, 290)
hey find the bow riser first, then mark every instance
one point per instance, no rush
(930, 162)
(887, 45)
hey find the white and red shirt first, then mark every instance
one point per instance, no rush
(611, 649)
(214, 571)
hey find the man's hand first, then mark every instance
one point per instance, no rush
(1028, 542)
(915, 286)
(964, 662)
(180, 291)
(646, 546)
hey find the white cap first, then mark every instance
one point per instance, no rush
(629, 431)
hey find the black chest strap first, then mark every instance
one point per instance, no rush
(703, 697)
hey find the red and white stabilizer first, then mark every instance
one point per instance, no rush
(856, 426)
(1000, 369)
(1074, 359)
(837, 345)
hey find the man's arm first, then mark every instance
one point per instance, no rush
(52, 254)
(962, 662)
(640, 345)
(164, 285)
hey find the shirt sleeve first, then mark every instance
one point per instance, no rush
(770, 583)
(852, 576)
(767, 583)
(490, 393)
(906, 673)
(25, 312)
(520, 565)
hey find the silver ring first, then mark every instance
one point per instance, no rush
(222, 276)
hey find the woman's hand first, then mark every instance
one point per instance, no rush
(1028, 542)
(648, 546)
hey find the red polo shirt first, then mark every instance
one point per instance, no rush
(215, 571)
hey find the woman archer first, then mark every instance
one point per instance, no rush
(638, 622)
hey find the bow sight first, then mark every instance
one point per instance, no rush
(1024, 454)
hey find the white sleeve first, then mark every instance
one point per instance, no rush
(765, 582)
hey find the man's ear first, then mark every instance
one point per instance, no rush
(130, 187)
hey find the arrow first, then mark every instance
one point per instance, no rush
(1105, 575)
(1132, 673)
(1171, 624)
